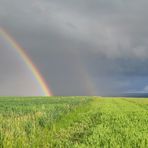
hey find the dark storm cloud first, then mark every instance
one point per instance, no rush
(108, 40)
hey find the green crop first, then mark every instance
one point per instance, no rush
(73, 122)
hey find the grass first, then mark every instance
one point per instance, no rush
(73, 122)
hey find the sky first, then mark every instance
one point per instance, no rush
(81, 47)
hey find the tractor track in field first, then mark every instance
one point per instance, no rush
(136, 103)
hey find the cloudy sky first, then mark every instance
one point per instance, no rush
(81, 47)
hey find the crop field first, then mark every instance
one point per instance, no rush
(73, 122)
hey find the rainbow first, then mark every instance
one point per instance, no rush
(34, 70)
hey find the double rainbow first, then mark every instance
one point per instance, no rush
(34, 70)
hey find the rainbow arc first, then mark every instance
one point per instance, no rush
(27, 60)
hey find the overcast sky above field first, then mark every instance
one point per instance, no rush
(82, 47)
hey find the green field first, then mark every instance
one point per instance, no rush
(91, 122)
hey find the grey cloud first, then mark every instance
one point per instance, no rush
(107, 39)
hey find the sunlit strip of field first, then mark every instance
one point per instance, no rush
(73, 122)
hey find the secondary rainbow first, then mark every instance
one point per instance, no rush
(28, 62)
